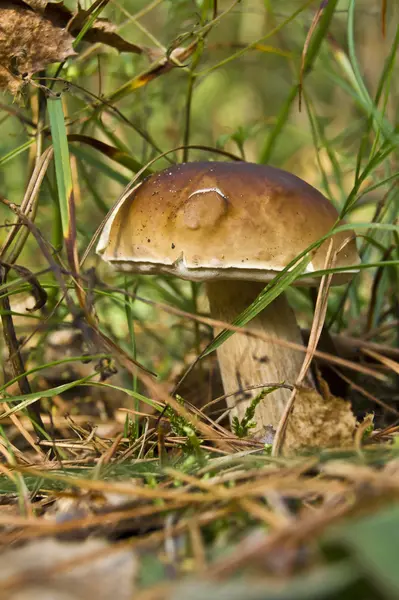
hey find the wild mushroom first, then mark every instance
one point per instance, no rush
(234, 226)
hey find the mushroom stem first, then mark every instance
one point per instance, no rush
(246, 361)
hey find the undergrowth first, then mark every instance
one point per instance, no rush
(110, 383)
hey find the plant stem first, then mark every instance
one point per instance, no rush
(16, 360)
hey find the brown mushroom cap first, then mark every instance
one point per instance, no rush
(220, 220)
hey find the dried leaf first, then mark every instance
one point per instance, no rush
(38, 5)
(163, 65)
(179, 53)
(35, 33)
(35, 571)
(111, 152)
(29, 41)
(103, 31)
(9, 81)
(318, 421)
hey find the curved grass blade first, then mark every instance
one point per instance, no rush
(294, 270)
(26, 400)
(16, 152)
(110, 152)
(270, 293)
(282, 118)
(88, 157)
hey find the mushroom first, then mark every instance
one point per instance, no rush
(234, 226)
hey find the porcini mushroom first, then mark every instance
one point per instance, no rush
(233, 226)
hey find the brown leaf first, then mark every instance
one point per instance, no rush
(9, 81)
(162, 66)
(318, 422)
(38, 5)
(104, 32)
(29, 41)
